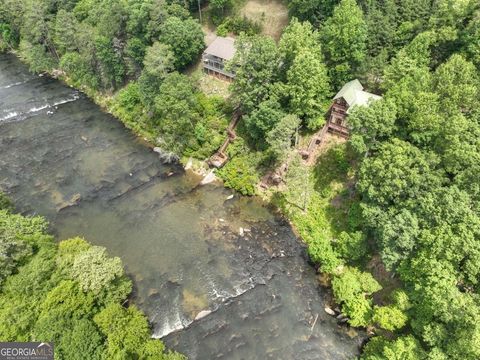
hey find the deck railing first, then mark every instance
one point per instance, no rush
(338, 128)
(217, 65)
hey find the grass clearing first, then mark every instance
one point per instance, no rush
(210, 85)
(272, 14)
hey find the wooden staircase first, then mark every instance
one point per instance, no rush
(219, 159)
(315, 141)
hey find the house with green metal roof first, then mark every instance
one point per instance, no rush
(350, 95)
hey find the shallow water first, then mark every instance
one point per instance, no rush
(62, 157)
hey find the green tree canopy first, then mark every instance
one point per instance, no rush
(281, 136)
(185, 38)
(256, 63)
(344, 38)
(309, 89)
(176, 111)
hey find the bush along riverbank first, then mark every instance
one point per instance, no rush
(70, 293)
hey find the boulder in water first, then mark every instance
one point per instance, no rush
(202, 314)
(56, 73)
(329, 311)
(210, 177)
(74, 200)
(166, 156)
(189, 164)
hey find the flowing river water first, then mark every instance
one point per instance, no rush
(208, 290)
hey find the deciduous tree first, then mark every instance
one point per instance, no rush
(185, 38)
(344, 39)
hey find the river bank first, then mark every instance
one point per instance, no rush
(299, 220)
(207, 287)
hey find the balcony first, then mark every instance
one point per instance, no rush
(212, 63)
(339, 129)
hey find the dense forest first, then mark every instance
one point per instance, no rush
(70, 293)
(402, 196)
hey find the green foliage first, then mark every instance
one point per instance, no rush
(240, 174)
(314, 11)
(372, 124)
(389, 317)
(79, 69)
(352, 246)
(159, 60)
(405, 348)
(456, 83)
(59, 293)
(126, 330)
(18, 237)
(134, 53)
(176, 112)
(100, 275)
(281, 136)
(64, 35)
(8, 38)
(412, 189)
(399, 172)
(185, 38)
(417, 204)
(99, 44)
(83, 338)
(400, 300)
(298, 37)
(308, 88)
(36, 56)
(111, 65)
(321, 222)
(350, 288)
(210, 129)
(256, 64)
(299, 181)
(219, 8)
(471, 40)
(238, 25)
(5, 203)
(129, 97)
(262, 120)
(344, 37)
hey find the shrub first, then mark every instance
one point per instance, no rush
(5, 203)
(351, 288)
(240, 174)
(238, 25)
(352, 246)
(389, 317)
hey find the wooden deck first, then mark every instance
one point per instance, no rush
(338, 130)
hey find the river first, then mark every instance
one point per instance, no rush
(208, 290)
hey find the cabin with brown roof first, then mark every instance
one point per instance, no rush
(215, 56)
(350, 95)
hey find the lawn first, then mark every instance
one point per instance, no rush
(272, 14)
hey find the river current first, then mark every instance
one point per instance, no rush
(218, 277)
